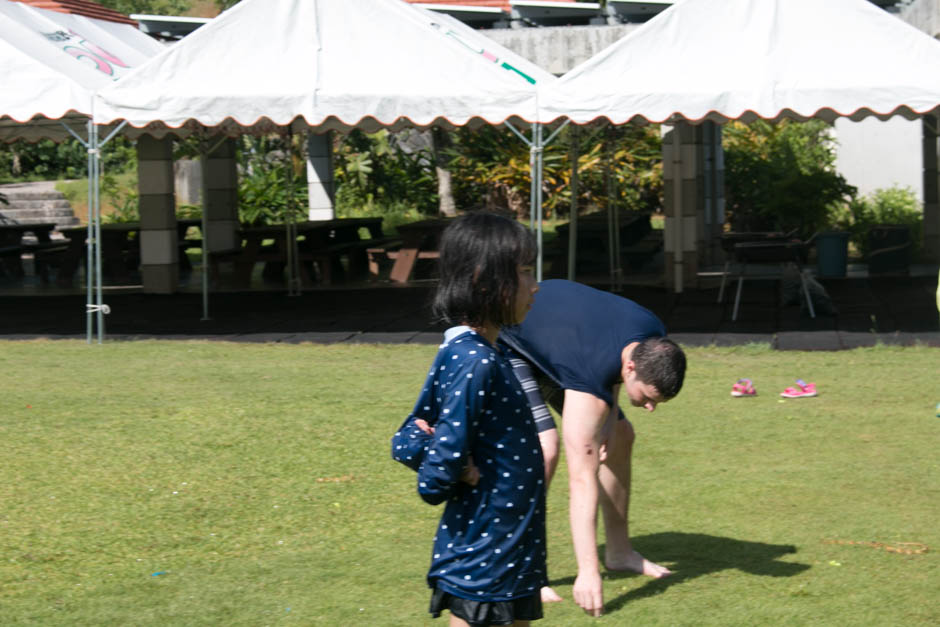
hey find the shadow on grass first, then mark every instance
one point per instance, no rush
(691, 555)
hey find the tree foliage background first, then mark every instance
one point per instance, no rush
(148, 7)
(167, 7)
(782, 177)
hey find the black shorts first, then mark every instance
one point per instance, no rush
(482, 613)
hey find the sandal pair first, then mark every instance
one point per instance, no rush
(744, 387)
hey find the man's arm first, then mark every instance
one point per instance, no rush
(584, 418)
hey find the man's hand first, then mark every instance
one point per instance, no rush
(589, 593)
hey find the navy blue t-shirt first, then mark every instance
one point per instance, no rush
(575, 334)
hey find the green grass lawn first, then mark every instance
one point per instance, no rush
(210, 483)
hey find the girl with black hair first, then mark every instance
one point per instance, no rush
(472, 438)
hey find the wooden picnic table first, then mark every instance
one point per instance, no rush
(319, 242)
(419, 241)
(594, 240)
(120, 250)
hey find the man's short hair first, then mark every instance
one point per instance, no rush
(660, 362)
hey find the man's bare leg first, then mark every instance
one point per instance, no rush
(614, 477)
(549, 442)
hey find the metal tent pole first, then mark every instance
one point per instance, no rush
(100, 308)
(293, 269)
(204, 166)
(90, 239)
(536, 146)
(537, 193)
(609, 188)
(616, 270)
(90, 233)
(574, 149)
(99, 297)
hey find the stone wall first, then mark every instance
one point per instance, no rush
(558, 49)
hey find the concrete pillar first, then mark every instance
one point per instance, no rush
(713, 182)
(159, 253)
(221, 204)
(931, 243)
(683, 169)
(188, 175)
(320, 185)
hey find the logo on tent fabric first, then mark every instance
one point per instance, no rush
(489, 56)
(87, 51)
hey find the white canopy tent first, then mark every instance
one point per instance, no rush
(50, 65)
(326, 65)
(721, 60)
(322, 65)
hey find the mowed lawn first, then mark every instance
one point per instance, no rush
(211, 483)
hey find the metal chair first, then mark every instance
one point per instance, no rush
(770, 251)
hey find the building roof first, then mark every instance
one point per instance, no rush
(498, 4)
(85, 8)
(505, 5)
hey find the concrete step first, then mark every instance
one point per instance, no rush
(36, 204)
(35, 211)
(31, 203)
(16, 194)
(35, 215)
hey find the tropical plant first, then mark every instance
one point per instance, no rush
(892, 205)
(491, 169)
(270, 180)
(782, 176)
(382, 169)
(124, 202)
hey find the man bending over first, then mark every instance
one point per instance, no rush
(584, 346)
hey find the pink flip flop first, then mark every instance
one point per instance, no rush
(802, 390)
(743, 387)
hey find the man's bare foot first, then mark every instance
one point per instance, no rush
(549, 595)
(638, 564)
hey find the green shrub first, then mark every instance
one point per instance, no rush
(46, 160)
(385, 172)
(891, 205)
(265, 180)
(124, 201)
(782, 177)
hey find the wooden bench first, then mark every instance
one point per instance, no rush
(359, 263)
(216, 257)
(379, 258)
(642, 252)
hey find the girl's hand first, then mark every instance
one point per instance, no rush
(470, 474)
